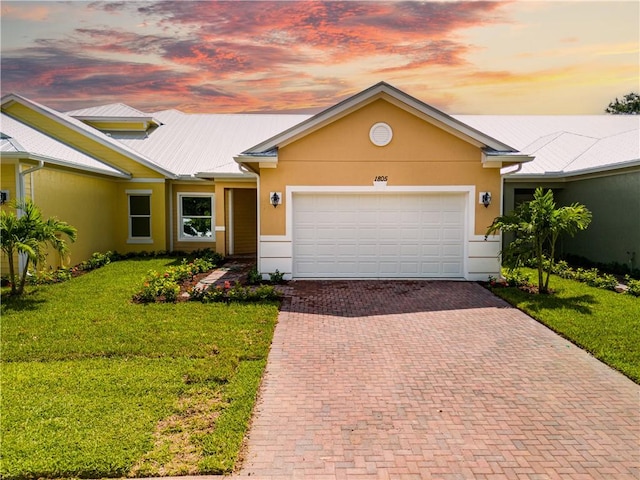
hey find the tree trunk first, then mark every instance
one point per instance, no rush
(12, 273)
(552, 256)
(23, 277)
(541, 287)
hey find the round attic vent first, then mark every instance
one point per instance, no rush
(380, 134)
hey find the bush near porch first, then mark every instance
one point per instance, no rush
(96, 386)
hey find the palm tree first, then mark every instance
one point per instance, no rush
(537, 225)
(29, 234)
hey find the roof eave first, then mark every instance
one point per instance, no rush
(12, 97)
(491, 159)
(519, 176)
(62, 163)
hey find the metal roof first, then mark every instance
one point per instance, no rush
(566, 145)
(118, 110)
(21, 139)
(189, 144)
(87, 130)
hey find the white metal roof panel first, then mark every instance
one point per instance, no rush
(187, 144)
(116, 110)
(565, 144)
(21, 138)
(88, 130)
(614, 150)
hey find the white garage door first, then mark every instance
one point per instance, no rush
(378, 235)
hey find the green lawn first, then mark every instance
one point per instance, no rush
(602, 322)
(95, 386)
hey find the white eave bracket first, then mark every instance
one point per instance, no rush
(269, 160)
(495, 159)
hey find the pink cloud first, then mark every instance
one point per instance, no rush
(239, 56)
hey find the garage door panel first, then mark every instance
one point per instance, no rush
(451, 268)
(453, 250)
(367, 268)
(431, 218)
(409, 268)
(430, 269)
(378, 235)
(431, 251)
(452, 234)
(350, 268)
(388, 268)
(430, 234)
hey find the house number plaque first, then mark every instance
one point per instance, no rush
(380, 181)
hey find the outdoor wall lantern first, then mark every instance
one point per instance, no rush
(485, 199)
(275, 198)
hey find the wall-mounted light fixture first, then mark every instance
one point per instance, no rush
(275, 198)
(485, 199)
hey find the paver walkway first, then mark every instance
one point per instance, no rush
(439, 380)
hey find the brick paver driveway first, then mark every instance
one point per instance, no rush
(434, 380)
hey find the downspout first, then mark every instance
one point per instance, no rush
(22, 175)
(21, 199)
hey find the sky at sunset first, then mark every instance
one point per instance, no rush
(542, 57)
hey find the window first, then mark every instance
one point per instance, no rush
(196, 217)
(139, 216)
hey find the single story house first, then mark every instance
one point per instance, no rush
(380, 185)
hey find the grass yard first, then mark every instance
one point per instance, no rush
(95, 386)
(602, 322)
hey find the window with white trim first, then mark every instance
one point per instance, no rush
(196, 219)
(139, 215)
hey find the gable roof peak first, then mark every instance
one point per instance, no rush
(397, 97)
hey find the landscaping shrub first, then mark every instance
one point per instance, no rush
(254, 277)
(634, 286)
(276, 277)
(97, 260)
(166, 286)
(236, 293)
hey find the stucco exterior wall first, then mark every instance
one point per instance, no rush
(614, 233)
(421, 156)
(88, 203)
(614, 201)
(342, 154)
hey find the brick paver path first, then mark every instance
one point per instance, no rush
(440, 380)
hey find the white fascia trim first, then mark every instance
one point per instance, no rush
(237, 177)
(62, 163)
(147, 180)
(93, 135)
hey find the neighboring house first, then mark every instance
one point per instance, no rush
(589, 159)
(381, 185)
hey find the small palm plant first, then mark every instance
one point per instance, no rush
(29, 234)
(537, 225)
